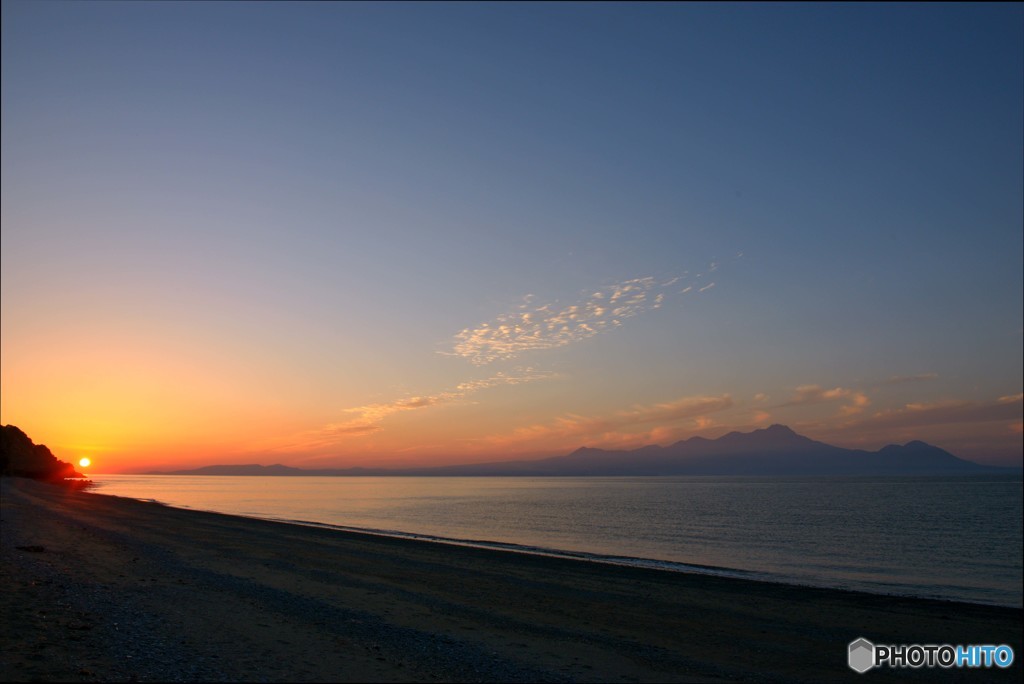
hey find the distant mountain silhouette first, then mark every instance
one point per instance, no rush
(775, 450)
(276, 469)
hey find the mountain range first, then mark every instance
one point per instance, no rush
(775, 450)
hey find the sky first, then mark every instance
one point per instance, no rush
(389, 234)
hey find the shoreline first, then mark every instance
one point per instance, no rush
(893, 580)
(592, 557)
(126, 588)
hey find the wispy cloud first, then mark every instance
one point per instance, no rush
(551, 325)
(943, 413)
(367, 419)
(609, 428)
(903, 379)
(814, 394)
(856, 402)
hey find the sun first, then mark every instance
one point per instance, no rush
(84, 462)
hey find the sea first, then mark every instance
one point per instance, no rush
(953, 538)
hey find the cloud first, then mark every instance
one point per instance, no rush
(859, 402)
(368, 418)
(943, 413)
(549, 326)
(355, 429)
(815, 394)
(687, 407)
(605, 429)
(812, 394)
(902, 379)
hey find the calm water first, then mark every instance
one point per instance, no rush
(946, 537)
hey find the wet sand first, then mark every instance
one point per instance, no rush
(100, 588)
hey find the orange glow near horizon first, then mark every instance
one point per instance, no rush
(167, 432)
(143, 402)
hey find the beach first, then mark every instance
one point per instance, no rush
(101, 588)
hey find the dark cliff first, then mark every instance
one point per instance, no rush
(20, 457)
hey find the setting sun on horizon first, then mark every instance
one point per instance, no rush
(444, 234)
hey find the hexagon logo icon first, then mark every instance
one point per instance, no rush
(861, 655)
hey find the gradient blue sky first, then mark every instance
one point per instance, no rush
(292, 232)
